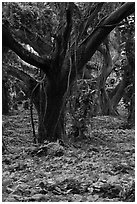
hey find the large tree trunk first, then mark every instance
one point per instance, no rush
(52, 117)
(49, 105)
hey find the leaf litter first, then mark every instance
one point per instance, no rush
(100, 168)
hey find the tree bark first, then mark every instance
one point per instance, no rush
(117, 97)
(104, 100)
(52, 117)
(120, 88)
(131, 115)
(5, 98)
(49, 105)
(55, 100)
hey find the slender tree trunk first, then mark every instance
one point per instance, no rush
(117, 97)
(104, 102)
(106, 107)
(121, 87)
(5, 98)
(131, 115)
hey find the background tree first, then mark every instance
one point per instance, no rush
(129, 93)
(57, 39)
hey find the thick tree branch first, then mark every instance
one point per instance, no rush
(67, 32)
(91, 44)
(22, 76)
(24, 54)
(38, 43)
(68, 28)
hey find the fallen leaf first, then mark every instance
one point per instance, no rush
(76, 198)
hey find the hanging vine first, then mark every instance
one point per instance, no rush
(41, 85)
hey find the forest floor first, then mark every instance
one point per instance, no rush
(100, 168)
